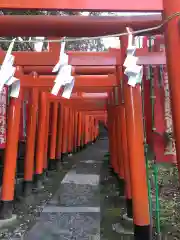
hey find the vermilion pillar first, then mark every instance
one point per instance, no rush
(65, 131)
(41, 140)
(59, 132)
(172, 43)
(117, 142)
(53, 139)
(9, 172)
(110, 132)
(87, 130)
(72, 136)
(118, 134)
(70, 131)
(91, 122)
(108, 124)
(46, 145)
(114, 136)
(94, 130)
(135, 140)
(82, 130)
(79, 130)
(125, 155)
(90, 129)
(137, 162)
(75, 131)
(30, 144)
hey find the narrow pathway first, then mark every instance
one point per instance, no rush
(74, 211)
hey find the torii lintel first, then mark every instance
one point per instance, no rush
(85, 5)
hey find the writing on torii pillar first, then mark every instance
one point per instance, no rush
(3, 120)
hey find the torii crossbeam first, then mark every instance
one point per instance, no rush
(85, 5)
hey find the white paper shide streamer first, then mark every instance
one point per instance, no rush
(64, 77)
(7, 71)
(133, 71)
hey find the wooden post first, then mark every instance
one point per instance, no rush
(118, 142)
(46, 145)
(30, 145)
(53, 139)
(65, 132)
(76, 131)
(9, 172)
(79, 130)
(41, 139)
(69, 131)
(60, 132)
(135, 140)
(125, 156)
(172, 40)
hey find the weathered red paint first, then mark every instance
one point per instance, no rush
(79, 70)
(72, 26)
(85, 5)
(13, 123)
(45, 61)
(80, 81)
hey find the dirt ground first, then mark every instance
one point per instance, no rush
(169, 200)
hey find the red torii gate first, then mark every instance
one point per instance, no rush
(140, 202)
(47, 81)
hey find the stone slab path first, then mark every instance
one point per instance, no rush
(74, 211)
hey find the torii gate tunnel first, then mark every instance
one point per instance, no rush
(57, 126)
